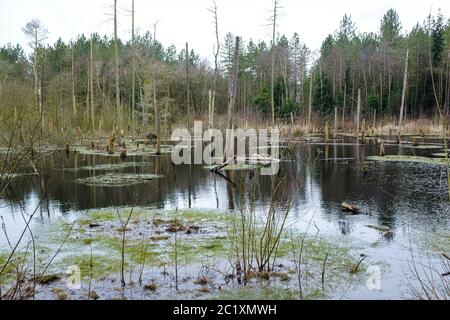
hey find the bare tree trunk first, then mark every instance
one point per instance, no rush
(209, 108)
(36, 74)
(232, 90)
(402, 107)
(41, 95)
(381, 94)
(157, 120)
(133, 69)
(310, 102)
(188, 109)
(167, 107)
(74, 101)
(374, 120)
(358, 112)
(60, 98)
(335, 122)
(389, 88)
(344, 107)
(275, 15)
(116, 76)
(442, 118)
(91, 85)
(216, 66)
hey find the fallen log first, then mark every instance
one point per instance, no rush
(223, 165)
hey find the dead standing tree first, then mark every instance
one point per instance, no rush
(274, 25)
(116, 78)
(187, 89)
(212, 102)
(37, 34)
(311, 83)
(155, 103)
(358, 114)
(402, 107)
(232, 89)
(91, 84)
(133, 69)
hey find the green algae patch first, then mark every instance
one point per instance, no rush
(10, 272)
(415, 159)
(140, 214)
(203, 240)
(438, 243)
(118, 180)
(100, 265)
(257, 293)
(147, 239)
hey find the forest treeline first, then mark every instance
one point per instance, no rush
(73, 84)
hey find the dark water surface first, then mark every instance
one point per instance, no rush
(410, 199)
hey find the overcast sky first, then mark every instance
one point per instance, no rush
(182, 21)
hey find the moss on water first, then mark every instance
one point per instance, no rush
(105, 240)
(118, 180)
(426, 147)
(438, 243)
(10, 272)
(415, 159)
(440, 155)
(208, 244)
(131, 152)
(266, 293)
(256, 293)
(102, 265)
(110, 167)
(190, 216)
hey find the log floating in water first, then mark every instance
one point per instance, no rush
(380, 228)
(346, 207)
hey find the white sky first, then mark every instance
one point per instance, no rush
(182, 21)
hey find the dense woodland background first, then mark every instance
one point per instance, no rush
(74, 83)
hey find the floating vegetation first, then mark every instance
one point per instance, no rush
(425, 147)
(441, 155)
(110, 166)
(132, 152)
(48, 149)
(118, 180)
(9, 176)
(416, 159)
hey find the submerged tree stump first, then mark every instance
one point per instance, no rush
(382, 150)
(350, 208)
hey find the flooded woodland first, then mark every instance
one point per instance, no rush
(177, 232)
(94, 206)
